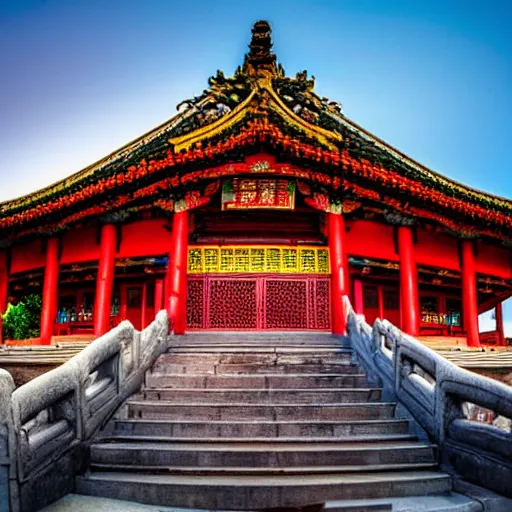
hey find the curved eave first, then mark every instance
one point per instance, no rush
(262, 101)
(96, 167)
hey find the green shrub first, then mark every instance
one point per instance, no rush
(22, 321)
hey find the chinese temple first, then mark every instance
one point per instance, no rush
(257, 207)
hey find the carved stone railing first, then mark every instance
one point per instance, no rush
(46, 424)
(439, 396)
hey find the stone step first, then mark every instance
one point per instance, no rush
(271, 337)
(446, 503)
(289, 381)
(200, 411)
(452, 502)
(246, 492)
(119, 437)
(239, 470)
(254, 358)
(258, 347)
(137, 455)
(262, 429)
(204, 368)
(363, 506)
(262, 396)
(242, 348)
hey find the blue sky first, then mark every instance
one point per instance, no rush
(80, 78)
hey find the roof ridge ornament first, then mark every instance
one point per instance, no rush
(260, 57)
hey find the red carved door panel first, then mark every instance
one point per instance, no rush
(232, 304)
(258, 302)
(322, 306)
(286, 304)
(195, 303)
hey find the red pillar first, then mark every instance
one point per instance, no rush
(358, 297)
(339, 271)
(50, 289)
(469, 294)
(499, 324)
(159, 295)
(4, 287)
(409, 303)
(177, 273)
(380, 291)
(105, 279)
(144, 302)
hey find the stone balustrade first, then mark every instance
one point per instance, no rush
(46, 424)
(439, 396)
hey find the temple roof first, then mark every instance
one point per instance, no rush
(258, 109)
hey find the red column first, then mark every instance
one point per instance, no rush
(105, 279)
(469, 294)
(144, 302)
(339, 271)
(159, 295)
(50, 289)
(380, 291)
(358, 297)
(4, 287)
(409, 303)
(499, 324)
(177, 273)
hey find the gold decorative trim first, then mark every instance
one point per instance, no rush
(212, 129)
(323, 136)
(243, 259)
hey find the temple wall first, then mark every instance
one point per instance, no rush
(144, 238)
(27, 256)
(140, 238)
(436, 250)
(494, 261)
(365, 239)
(369, 239)
(80, 245)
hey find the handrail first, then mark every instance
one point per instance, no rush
(46, 424)
(438, 394)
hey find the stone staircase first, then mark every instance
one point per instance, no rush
(252, 422)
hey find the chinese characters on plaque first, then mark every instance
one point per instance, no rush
(250, 193)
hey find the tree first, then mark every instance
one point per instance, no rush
(22, 320)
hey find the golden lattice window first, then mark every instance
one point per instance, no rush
(211, 260)
(308, 261)
(195, 261)
(289, 260)
(242, 260)
(258, 259)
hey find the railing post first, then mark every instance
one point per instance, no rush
(375, 338)
(439, 410)
(396, 361)
(8, 476)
